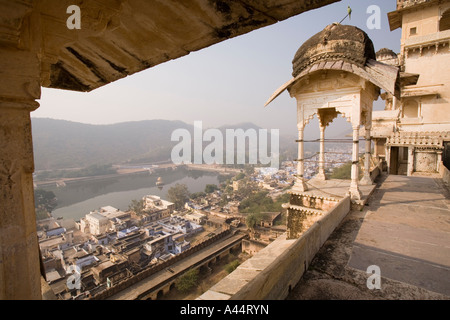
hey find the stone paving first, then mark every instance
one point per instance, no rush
(404, 229)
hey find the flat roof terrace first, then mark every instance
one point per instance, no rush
(404, 230)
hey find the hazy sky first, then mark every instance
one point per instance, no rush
(226, 83)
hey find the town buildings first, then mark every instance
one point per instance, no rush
(112, 245)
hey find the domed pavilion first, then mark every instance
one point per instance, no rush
(336, 72)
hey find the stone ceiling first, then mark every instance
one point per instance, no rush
(120, 37)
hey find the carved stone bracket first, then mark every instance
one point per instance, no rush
(326, 116)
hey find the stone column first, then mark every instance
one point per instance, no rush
(321, 174)
(19, 251)
(439, 159)
(354, 189)
(300, 184)
(410, 168)
(366, 180)
(388, 157)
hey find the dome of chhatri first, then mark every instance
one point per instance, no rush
(386, 53)
(335, 42)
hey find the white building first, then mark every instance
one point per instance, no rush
(196, 217)
(113, 213)
(156, 208)
(94, 223)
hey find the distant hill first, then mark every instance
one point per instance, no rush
(61, 144)
(65, 144)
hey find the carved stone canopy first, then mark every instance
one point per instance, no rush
(342, 48)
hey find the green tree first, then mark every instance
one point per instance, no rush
(196, 195)
(251, 221)
(41, 214)
(249, 169)
(228, 190)
(187, 281)
(137, 206)
(211, 188)
(178, 194)
(230, 267)
(239, 176)
(258, 202)
(344, 172)
(45, 200)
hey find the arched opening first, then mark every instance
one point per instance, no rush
(311, 147)
(444, 22)
(204, 269)
(410, 109)
(160, 294)
(172, 286)
(337, 148)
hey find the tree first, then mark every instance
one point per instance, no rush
(249, 169)
(210, 188)
(196, 195)
(344, 172)
(45, 200)
(137, 206)
(230, 267)
(251, 221)
(239, 176)
(178, 194)
(42, 214)
(187, 281)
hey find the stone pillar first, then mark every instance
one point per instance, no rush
(20, 276)
(410, 168)
(366, 180)
(19, 261)
(321, 174)
(388, 158)
(300, 184)
(354, 189)
(439, 159)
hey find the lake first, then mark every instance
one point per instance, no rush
(77, 199)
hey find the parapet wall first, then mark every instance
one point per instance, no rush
(376, 171)
(274, 270)
(445, 173)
